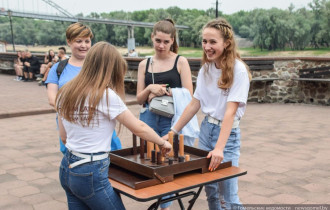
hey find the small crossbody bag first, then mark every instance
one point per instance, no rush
(162, 105)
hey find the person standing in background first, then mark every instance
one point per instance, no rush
(79, 38)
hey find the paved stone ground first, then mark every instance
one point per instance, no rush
(285, 149)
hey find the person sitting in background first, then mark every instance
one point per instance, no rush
(31, 66)
(61, 55)
(132, 53)
(19, 65)
(49, 59)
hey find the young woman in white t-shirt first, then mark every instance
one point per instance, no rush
(222, 91)
(88, 107)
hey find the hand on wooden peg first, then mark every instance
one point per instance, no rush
(165, 148)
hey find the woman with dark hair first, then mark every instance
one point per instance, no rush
(49, 59)
(169, 70)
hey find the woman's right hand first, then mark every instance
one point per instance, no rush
(166, 148)
(158, 89)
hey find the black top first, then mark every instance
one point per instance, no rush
(34, 62)
(171, 77)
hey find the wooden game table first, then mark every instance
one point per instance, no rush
(180, 186)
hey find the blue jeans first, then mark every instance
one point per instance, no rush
(223, 194)
(161, 125)
(87, 185)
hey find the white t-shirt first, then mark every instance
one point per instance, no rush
(97, 136)
(214, 100)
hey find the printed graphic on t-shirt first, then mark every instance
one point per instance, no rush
(82, 117)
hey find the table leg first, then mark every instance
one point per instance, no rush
(155, 205)
(180, 202)
(178, 197)
(193, 200)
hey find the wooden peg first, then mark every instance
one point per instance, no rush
(150, 147)
(187, 157)
(134, 145)
(141, 148)
(170, 140)
(159, 158)
(181, 145)
(170, 161)
(153, 156)
(176, 146)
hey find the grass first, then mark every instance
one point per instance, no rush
(287, 52)
(191, 52)
(253, 52)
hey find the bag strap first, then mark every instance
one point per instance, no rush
(60, 67)
(147, 66)
(152, 71)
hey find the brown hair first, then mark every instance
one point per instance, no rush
(167, 26)
(78, 30)
(103, 68)
(230, 53)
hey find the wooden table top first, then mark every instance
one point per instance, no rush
(180, 183)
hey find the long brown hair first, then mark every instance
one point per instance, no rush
(103, 68)
(230, 53)
(167, 26)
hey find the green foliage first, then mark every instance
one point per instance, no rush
(271, 29)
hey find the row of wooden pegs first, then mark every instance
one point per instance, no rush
(177, 153)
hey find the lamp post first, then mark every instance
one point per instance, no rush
(216, 9)
(11, 28)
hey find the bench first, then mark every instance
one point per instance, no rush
(258, 65)
(7, 68)
(318, 74)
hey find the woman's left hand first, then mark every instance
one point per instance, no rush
(216, 156)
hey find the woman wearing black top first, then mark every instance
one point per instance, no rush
(169, 69)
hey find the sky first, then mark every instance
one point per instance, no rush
(87, 6)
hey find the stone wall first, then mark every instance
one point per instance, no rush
(285, 89)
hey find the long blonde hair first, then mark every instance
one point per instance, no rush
(103, 68)
(230, 53)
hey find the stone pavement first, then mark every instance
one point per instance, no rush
(285, 149)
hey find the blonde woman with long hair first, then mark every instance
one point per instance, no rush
(222, 91)
(88, 107)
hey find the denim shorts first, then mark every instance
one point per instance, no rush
(87, 185)
(223, 194)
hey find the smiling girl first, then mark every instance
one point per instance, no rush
(222, 91)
